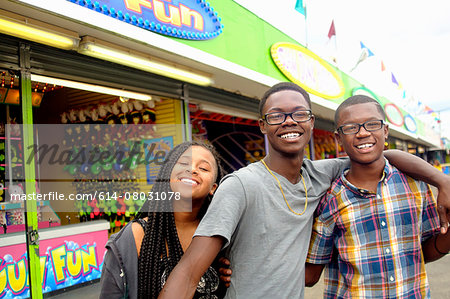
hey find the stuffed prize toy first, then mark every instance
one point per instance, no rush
(14, 192)
(102, 111)
(1, 192)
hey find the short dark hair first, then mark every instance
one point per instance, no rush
(280, 87)
(354, 100)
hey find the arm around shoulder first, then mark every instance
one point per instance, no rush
(416, 168)
(184, 278)
(420, 170)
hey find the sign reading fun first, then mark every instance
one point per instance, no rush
(64, 262)
(187, 19)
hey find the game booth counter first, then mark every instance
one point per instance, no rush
(68, 255)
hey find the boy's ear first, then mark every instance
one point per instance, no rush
(386, 130)
(338, 137)
(262, 126)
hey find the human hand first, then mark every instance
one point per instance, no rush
(443, 203)
(225, 271)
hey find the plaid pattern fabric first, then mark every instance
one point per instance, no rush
(372, 242)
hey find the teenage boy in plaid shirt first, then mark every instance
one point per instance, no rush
(376, 227)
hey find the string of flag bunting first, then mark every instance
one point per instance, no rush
(366, 53)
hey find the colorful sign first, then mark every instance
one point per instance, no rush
(410, 124)
(65, 261)
(156, 150)
(365, 92)
(12, 96)
(187, 19)
(394, 115)
(308, 70)
(3, 92)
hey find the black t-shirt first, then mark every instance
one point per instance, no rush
(209, 287)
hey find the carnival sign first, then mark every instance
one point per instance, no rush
(410, 124)
(64, 262)
(394, 115)
(186, 19)
(365, 92)
(308, 70)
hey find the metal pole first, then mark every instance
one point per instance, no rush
(31, 221)
(8, 146)
(186, 113)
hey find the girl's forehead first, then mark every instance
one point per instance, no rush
(198, 152)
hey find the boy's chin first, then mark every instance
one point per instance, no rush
(366, 160)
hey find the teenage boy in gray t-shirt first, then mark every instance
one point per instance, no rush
(262, 213)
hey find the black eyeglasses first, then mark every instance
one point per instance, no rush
(370, 126)
(277, 118)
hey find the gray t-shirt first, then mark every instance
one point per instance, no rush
(267, 244)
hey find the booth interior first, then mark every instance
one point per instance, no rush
(73, 127)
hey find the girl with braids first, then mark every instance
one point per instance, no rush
(141, 256)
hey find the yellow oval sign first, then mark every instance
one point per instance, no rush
(308, 70)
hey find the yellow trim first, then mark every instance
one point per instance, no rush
(92, 87)
(106, 51)
(22, 27)
(290, 76)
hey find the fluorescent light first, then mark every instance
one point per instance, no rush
(19, 26)
(91, 87)
(95, 49)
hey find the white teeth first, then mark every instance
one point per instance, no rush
(189, 181)
(367, 145)
(290, 135)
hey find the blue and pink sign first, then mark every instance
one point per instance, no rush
(64, 261)
(186, 19)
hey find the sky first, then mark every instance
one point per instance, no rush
(412, 38)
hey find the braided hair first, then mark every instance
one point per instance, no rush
(161, 229)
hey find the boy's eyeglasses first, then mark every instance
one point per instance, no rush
(370, 126)
(277, 118)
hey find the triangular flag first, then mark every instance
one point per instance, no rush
(363, 56)
(393, 79)
(300, 7)
(368, 50)
(332, 31)
(383, 68)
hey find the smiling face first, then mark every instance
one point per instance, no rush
(363, 147)
(289, 137)
(194, 174)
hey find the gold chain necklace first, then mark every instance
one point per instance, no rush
(281, 189)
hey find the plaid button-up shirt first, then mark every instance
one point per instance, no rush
(371, 242)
